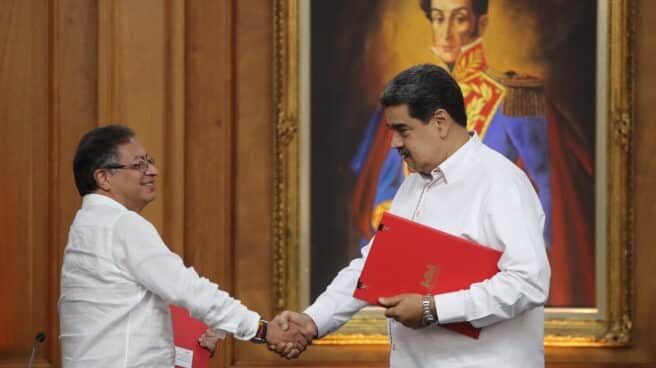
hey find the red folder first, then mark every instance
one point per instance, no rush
(186, 331)
(408, 257)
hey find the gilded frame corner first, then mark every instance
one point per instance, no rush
(614, 329)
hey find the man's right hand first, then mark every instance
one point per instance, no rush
(289, 342)
(299, 322)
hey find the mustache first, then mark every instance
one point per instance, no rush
(403, 152)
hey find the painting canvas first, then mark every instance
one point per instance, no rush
(527, 70)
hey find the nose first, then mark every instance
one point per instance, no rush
(152, 170)
(397, 141)
(448, 30)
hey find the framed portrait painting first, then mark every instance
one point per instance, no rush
(563, 66)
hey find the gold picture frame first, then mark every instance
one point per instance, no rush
(605, 325)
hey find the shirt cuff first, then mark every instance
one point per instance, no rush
(322, 318)
(248, 327)
(450, 307)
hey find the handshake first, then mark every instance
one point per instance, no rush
(289, 334)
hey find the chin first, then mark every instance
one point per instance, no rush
(449, 57)
(451, 60)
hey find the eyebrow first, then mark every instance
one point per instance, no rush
(141, 157)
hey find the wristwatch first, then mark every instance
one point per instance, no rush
(260, 335)
(429, 317)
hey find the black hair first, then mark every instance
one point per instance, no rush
(479, 7)
(97, 149)
(426, 88)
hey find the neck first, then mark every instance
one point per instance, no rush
(456, 139)
(109, 194)
(460, 137)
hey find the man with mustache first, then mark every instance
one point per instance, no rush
(508, 113)
(457, 185)
(118, 277)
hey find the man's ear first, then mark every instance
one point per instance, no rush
(102, 179)
(443, 120)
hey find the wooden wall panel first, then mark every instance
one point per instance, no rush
(73, 111)
(24, 195)
(141, 84)
(253, 171)
(209, 157)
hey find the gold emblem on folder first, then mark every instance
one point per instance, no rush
(429, 276)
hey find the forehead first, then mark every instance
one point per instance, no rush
(131, 150)
(447, 5)
(398, 115)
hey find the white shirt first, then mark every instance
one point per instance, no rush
(118, 278)
(478, 194)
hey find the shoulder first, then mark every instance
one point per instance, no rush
(524, 93)
(131, 222)
(500, 173)
(507, 187)
(514, 79)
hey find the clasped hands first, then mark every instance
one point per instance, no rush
(295, 331)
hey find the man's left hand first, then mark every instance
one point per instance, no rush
(405, 308)
(209, 340)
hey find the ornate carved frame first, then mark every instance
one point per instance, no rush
(564, 327)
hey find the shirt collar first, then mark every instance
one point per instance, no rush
(452, 168)
(94, 199)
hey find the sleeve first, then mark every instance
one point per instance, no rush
(143, 254)
(513, 220)
(336, 305)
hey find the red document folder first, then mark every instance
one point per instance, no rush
(186, 331)
(407, 257)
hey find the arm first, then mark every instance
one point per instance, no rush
(331, 310)
(143, 254)
(513, 221)
(336, 305)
